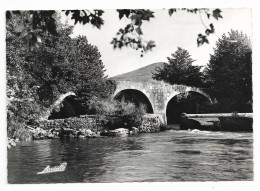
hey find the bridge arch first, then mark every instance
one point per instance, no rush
(135, 96)
(56, 103)
(188, 89)
(190, 103)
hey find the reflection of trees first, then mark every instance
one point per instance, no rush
(89, 159)
(28, 158)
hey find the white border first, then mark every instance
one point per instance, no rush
(112, 4)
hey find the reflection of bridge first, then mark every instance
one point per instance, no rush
(155, 95)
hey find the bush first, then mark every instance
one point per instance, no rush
(115, 114)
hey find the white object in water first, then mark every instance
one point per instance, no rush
(193, 130)
(49, 169)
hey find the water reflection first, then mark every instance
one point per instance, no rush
(164, 156)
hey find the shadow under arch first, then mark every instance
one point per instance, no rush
(135, 96)
(194, 103)
(68, 107)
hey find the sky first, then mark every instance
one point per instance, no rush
(179, 30)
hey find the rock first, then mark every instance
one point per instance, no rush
(104, 133)
(11, 143)
(36, 137)
(81, 136)
(56, 135)
(111, 133)
(88, 133)
(50, 135)
(118, 132)
(97, 134)
(74, 132)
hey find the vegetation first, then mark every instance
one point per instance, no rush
(179, 70)
(34, 23)
(43, 61)
(37, 76)
(117, 114)
(228, 76)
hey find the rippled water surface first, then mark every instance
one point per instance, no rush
(165, 156)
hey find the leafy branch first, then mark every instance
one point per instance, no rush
(30, 27)
(216, 13)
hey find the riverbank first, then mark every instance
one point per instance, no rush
(218, 121)
(89, 126)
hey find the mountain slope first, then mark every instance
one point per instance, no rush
(143, 74)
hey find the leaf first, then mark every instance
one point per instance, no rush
(24, 33)
(171, 11)
(201, 40)
(100, 12)
(212, 28)
(208, 31)
(39, 40)
(136, 20)
(139, 31)
(20, 28)
(85, 20)
(67, 13)
(8, 15)
(150, 45)
(123, 12)
(216, 14)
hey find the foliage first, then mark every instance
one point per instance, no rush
(23, 107)
(36, 77)
(179, 70)
(117, 114)
(87, 16)
(229, 73)
(33, 23)
(131, 35)
(30, 25)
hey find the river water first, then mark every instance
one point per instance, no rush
(152, 157)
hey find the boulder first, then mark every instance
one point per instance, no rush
(118, 132)
(81, 136)
(133, 131)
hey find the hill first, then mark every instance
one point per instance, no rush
(143, 74)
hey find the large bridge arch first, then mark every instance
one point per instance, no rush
(188, 89)
(192, 101)
(136, 96)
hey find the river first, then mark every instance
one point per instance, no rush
(152, 157)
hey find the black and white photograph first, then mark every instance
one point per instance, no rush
(129, 95)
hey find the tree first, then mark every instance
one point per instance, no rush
(179, 70)
(33, 23)
(228, 74)
(36, 77)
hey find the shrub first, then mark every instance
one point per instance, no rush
(117, 114)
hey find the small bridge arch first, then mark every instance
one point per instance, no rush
(61, 98)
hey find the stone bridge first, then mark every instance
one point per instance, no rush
(154, 94)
